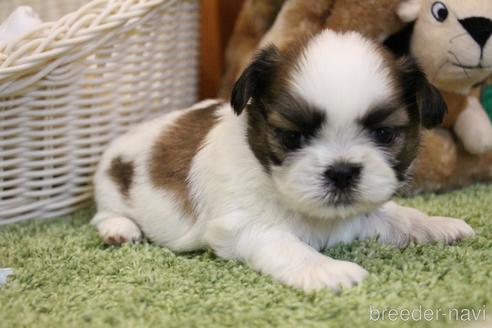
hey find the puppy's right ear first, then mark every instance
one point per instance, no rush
(255, 79)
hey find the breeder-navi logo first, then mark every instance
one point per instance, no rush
(426, 314)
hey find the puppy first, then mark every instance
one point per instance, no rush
(316, 141)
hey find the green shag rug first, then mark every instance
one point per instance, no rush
(65, 277)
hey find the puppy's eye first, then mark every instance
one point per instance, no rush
(291, 140)
(384, 135)
(440, 11)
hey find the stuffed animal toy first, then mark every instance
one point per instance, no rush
(444, 163)
(254, 21)
(451, 39)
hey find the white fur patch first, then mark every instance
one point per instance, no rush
(342, 74)
(118, 230)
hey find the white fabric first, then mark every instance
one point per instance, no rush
(22, 20)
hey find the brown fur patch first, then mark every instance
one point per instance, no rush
(122, 174)
(280, 110)
(174, 150)
(404, 148)
(309, 17)
(398, 118)
(373, 18)
(285, 113)
(255, 19)
(115, 240)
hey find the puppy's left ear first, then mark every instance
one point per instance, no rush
(255, 79)
(419, 91)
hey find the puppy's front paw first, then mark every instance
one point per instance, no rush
(433, 229)
(326, 273)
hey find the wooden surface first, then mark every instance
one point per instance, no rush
(217, 24)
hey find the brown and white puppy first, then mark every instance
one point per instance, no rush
(314, 145)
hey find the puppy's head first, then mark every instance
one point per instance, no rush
(335, 121)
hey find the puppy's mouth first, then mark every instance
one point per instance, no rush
(339, 199)
(456, 62)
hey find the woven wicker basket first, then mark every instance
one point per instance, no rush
(75, 83)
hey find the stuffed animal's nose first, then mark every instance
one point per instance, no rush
(480, 29)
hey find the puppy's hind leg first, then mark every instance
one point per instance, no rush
(116, 229)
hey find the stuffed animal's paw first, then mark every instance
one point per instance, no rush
(474, 128)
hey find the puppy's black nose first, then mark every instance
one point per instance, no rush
(343, 175)
(480, 29)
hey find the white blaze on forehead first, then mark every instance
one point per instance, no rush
(343, 74)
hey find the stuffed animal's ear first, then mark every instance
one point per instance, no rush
(255, 79)
(408, 11)
(419, 91)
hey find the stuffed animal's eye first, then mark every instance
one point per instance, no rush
(291, 140)
(384, 135)
(440, 11)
